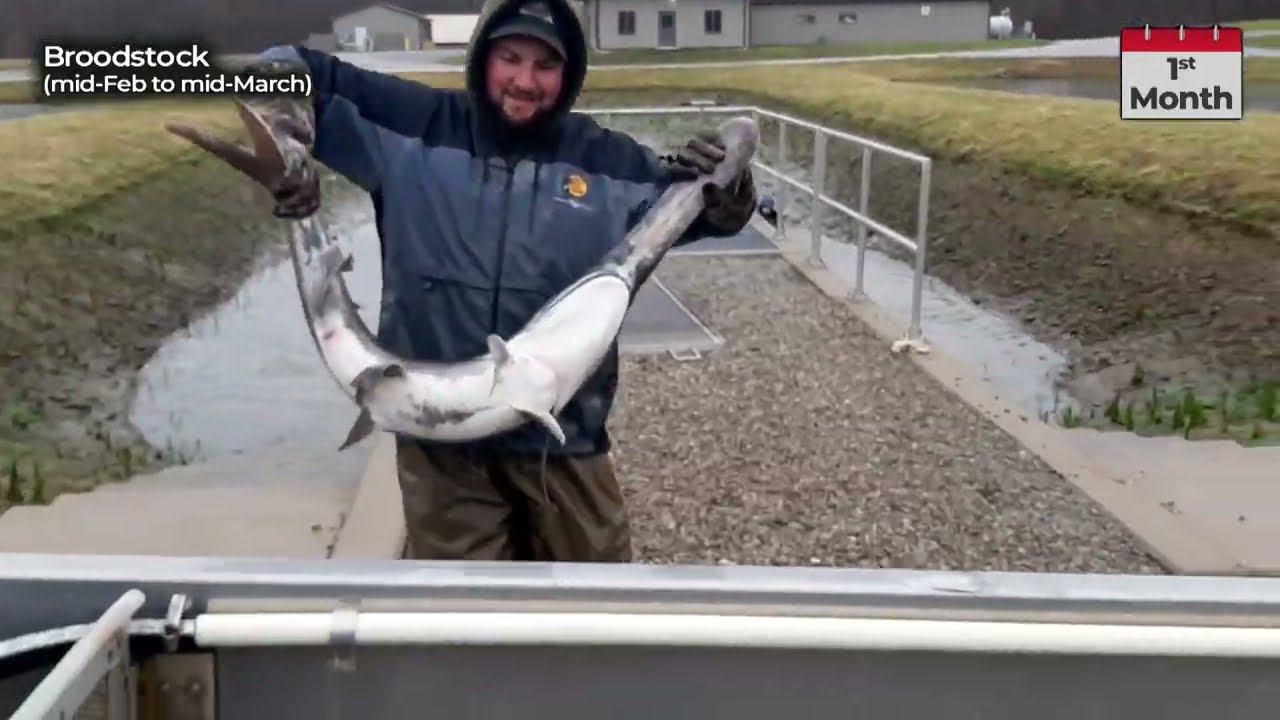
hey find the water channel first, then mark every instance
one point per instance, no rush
(247, 377)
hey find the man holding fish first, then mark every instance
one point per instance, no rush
(489, 202)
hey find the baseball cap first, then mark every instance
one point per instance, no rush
(533, 19)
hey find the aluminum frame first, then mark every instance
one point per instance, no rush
(918, 247)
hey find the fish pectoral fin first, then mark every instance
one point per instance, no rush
(360, 430)
(498, 347)
(544, 418)
(332, 262)
(501, 358)
(368, 379)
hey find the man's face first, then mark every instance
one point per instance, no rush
(523, 77)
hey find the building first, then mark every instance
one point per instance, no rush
(620, 24)
(407, 25)
(1071, 19)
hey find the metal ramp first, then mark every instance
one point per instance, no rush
(748, 242)
(658, 322)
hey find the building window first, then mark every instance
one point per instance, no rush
(848, 18)
(711, 22)
(808, 19)
(626, 22)
(926, 10)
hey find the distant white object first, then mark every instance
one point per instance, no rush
(360, 39)
(452, 29)
(1001, 26)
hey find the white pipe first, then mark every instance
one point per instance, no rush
(446, 628)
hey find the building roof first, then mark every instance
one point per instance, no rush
(423, 8)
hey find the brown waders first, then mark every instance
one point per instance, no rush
(460, 504)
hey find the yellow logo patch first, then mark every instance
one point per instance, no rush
(576, 186)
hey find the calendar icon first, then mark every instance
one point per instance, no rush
(1181, 73)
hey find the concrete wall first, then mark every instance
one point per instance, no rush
(690, 30)
(389, 29)
(838, 24)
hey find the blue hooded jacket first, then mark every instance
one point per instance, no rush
(478, 228)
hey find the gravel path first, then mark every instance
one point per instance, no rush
(804, 441)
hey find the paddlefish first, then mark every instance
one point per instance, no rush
(528, 377)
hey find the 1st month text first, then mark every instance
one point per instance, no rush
(1214, 98)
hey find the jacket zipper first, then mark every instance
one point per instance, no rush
(502, 247)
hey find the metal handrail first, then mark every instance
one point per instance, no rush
(816, 191)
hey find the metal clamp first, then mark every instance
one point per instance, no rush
(342, 634)
(686, 354)
(917, 344)
(179, 604)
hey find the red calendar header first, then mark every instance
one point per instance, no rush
(1188, 39)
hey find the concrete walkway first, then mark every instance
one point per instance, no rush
(286, 501)
(1224, 497)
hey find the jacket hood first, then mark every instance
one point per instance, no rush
(572, 35)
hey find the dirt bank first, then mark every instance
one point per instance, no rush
(1142, 300)
(86, 297)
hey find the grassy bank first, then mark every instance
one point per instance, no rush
(1224, 172)
(1266, 41)
(1256, 70)
(1271, 24)
(113, 235)
(12, 93)
(643, 56)
(648, 56)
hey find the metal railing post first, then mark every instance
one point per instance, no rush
(784, 191)
(915, 331)
(817, 185)
(821, 202)
(864, 198)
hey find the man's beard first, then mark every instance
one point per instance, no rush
(533, 100)
(538, 123)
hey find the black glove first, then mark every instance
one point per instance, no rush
(727, 209)
(698, 157)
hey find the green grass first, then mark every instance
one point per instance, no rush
(33, 465)
(14, 63)
(1247, 25)
(650, 56)
(1266, 41)
(1256, 69)
(1248, 415)
(787, 52)
(57, 163)
(16, 93)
